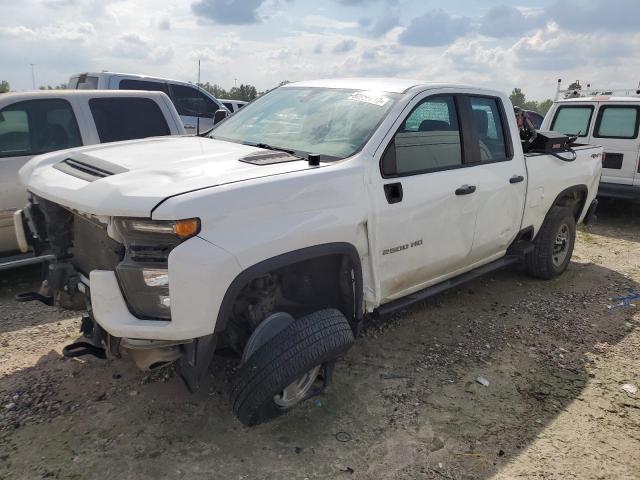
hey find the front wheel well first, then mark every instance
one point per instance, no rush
(303, 284)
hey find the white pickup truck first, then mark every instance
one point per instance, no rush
(32, 123)
(273, 236)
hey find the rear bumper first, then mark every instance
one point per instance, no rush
(618, 190)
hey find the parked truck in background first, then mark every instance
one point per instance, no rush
(33, 123)
(196, 106)
(313, 206)
(233, 105)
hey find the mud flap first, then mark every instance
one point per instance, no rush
(195, 360)
(34, 296)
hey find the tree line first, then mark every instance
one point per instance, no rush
(5, 87)
(519, 99)
(244, 92)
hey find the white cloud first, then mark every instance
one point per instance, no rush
(263, 42)
(434, 29)
(231, 12)
(327, 23)
(344, 46)
(71, 32)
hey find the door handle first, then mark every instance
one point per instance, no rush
(189, 126)
(516, 179)
(465, 190)
(393, 192)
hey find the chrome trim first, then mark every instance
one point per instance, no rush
(26, 261)
(7, 214)
(21, 236)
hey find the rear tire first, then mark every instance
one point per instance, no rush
(553, 245)
(309, 342)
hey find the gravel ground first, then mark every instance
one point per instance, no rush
(405, 402)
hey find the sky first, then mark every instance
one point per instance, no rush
(523, 43)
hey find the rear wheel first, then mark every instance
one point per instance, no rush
(553, 245)
(287, 368)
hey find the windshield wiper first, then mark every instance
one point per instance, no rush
(266, 146)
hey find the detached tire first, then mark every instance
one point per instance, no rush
(553, 245)
(309, 342)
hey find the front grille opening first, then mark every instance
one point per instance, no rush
(92, 248)
(147, 253)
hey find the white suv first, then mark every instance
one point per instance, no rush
(34, 123)
(195, 105)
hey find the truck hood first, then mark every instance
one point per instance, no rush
(131, 178)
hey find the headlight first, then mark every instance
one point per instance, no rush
(178, 229)
(144, 274)
(146, 290)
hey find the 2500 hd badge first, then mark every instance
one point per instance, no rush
(399, 248)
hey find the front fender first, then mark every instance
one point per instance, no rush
(199, 274)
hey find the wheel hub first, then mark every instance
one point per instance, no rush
(297, 390)
(561, 245)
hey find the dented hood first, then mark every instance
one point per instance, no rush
(131, 178)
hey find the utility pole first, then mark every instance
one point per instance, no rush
(198, 118)
(33, 76)
(236, 80)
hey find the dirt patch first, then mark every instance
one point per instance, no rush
(405, 404)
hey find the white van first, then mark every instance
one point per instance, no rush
(195, 105)
(601, 118)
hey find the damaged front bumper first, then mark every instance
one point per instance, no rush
(85, 265)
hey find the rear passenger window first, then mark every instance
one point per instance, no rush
(428, 140)
(127, 118)
(573, 120)
(617, 122)
(192, 103)
(487, 122)
(129, 84)
(37, 126)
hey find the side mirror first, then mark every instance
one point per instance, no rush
(220, 115)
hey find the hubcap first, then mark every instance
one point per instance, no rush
(561, 245)
(297, 390)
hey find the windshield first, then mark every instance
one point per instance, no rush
(334, 123)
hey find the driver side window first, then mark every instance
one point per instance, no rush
(428, 140)
(191, 102)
